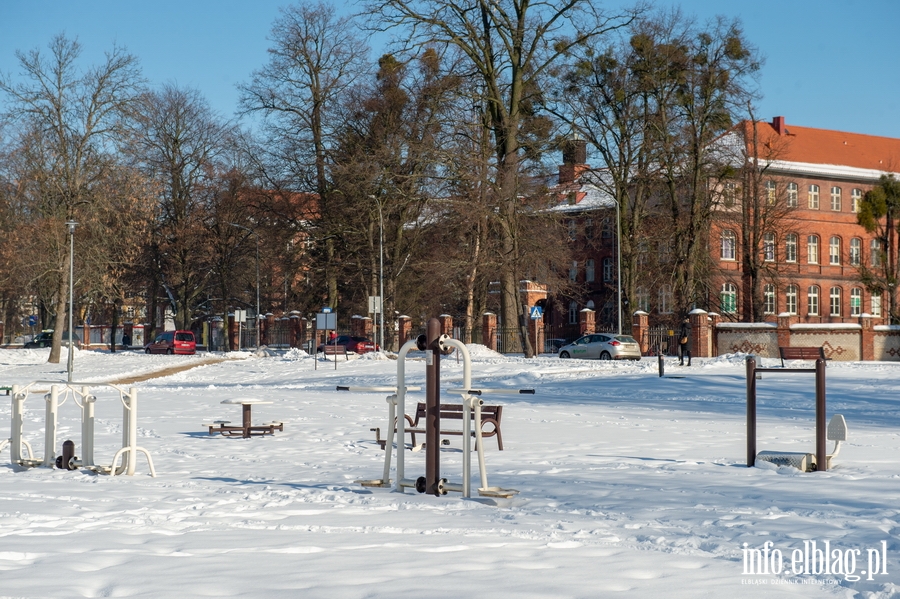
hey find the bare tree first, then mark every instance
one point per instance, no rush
(315, 59)
(70, 120)
(510, 47)
(879, 213)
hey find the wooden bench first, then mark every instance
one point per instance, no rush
(335, 350)
(801, 353)
(489, 415)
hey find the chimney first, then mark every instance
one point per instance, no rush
(574, 160)
(778, 125)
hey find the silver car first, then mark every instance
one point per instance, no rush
(602, 346)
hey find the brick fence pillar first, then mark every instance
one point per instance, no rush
(586, 321)
(640, 330)
(295, 337)
(446, 324)
(404, 329)
(699, 334)
(867, 337)
(361, 326)
(489, 330)
(785, 321)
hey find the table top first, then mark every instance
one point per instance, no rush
(245, 401)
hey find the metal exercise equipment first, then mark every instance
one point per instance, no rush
(84, 399)
(820, 460)
(434, 344)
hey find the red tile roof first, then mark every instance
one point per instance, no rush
(823, 146)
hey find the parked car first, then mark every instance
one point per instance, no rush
(173, 342)
(602, 346)
(359, 345)
(45, 339)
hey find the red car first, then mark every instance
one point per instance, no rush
(173, 342)
(359, 345)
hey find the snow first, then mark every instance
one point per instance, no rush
(631, 485)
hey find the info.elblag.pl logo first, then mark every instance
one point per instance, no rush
(816, 558)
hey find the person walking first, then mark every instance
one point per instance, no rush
(684, 342)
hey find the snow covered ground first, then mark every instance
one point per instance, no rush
(631, 485)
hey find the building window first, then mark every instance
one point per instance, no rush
(573, 312)
(812, 249)
(573, 271)
(834, 250)
(813, 197)
(834, 301)
(876, 252)
(606, 229)
(855, 199)
(771, 195)
(855, 251)
(729, 298)
(665, 299)
(855, 301)
(790, 299)
(876, 305)
(792, 194)
(589, 228)
(643, 249)
(573, 230)
(665, 252)
(769, 247)
(589, 270)
(769, 299)
(812, 301)
(642, 296)
(836, 199)
(790, 247)
(607, 269)
(728, 245)
(729, 194)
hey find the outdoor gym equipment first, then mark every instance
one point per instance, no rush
(836, 429)
(81, 396)
(434, 344)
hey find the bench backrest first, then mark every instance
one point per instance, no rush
(334, 350)
(455, 411)
(801, 353)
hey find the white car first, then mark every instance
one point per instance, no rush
(602, 346)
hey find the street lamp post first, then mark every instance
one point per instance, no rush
(618, 264)
(380, 273)
(70, 365)
(257, 276)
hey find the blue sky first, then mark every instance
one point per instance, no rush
(830, 64)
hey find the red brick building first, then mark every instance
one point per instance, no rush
(812, 249)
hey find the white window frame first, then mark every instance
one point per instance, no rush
(728, 298)
(665, 299)
(589, 270)
(607, 270)
(812, 300)
(771, 193)
(855, 251)
(834, 250)
(813, 197)
(769, 299)
(790, 299)
(855, 301)
(812, 249)
(875, 248)
(769, 247)
(834, 301)
(573, 271)
(729, 245)
(790, 247)
(855, 198)
(793, 193)
(875, 303)
(836, 198)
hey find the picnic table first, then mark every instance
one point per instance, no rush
(247, 428)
